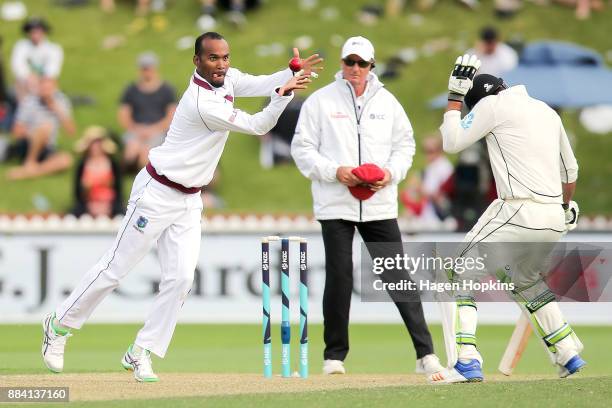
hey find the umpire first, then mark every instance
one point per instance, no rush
(351, 122)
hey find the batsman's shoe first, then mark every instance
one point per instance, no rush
(333, 367)
(53, 345)
(140, 363)
(469, 371)
(574, 365)
(428, 365)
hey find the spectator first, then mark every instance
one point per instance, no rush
(97, 182)
(425, 5)
(276, 144)
(424, 198)
(6, 109)
(497, 57)
(583, 7)
(4, 97)
(507, 8)
(146, 110)
(37, 123)
(35, 57)
(236, 9)
(142, 6)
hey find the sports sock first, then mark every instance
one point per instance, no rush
(59, 328)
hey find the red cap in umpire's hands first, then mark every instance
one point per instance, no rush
(368, 173)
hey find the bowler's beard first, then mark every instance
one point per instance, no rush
(217, 84)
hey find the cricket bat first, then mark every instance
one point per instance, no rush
(516, 346)
(448, 312)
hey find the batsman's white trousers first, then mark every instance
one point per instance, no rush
(515, 221)
(538, 226)
(155, 213)
(519, 220)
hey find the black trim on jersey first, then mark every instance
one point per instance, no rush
(127, 224)
(505, 162)
(505, 223)
(535, 192)
(534, 229)
(564, 168)
(198, 108)
(517, 180)
(495, 216)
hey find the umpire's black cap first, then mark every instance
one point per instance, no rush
(483, 85)
(36, 22)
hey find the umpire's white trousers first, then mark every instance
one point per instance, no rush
(155, 213)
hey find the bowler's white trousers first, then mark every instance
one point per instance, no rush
(155, 213)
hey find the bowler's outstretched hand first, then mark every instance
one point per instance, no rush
(310, 65)
(294, 84)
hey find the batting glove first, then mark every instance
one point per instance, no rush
(571, 215)
(460, 81)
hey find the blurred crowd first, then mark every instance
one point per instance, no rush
(210, 11)
(37, 110)
(508, 8)
(34, 110)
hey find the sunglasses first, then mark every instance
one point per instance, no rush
(362, 63)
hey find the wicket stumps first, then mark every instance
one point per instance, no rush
(285, 296)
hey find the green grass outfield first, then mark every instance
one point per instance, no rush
(588, 392)
(375, 350)
(102, 74)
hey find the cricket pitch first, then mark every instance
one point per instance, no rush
(122, 386)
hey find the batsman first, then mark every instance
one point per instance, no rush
(535, 173)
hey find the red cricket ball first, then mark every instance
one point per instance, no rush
(295, 64)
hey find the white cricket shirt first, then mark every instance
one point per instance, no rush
(203, 119)
(528, 147)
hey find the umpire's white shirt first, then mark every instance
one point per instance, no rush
(205, 116)
(528, 147)
(337, 129)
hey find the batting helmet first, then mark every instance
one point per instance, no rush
(483, 85)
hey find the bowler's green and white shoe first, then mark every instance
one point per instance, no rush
(140, 363)
(54, 341)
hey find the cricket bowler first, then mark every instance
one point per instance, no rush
(165, 207)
